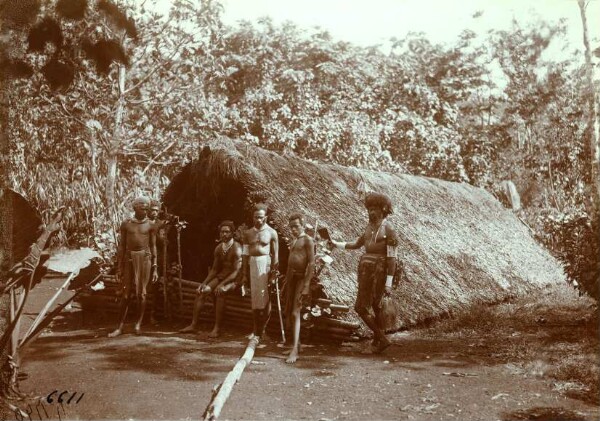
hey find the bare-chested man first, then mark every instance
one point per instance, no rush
(300, 270)
(136, 260)
(377, 266)
(260, 257)
(221, 278)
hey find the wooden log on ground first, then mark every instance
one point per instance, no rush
(323, 302)
(341, 308)
(328, 321)
(214, 408)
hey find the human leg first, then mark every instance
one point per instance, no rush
(261, 306)
(142, 266)
(126, 289)
(198, 305)
(220, 303)
(367, 285)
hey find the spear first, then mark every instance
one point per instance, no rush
(276, 280)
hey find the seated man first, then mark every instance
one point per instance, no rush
(220, 279)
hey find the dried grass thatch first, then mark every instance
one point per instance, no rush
(458, 244)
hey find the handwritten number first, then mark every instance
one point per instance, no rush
(60, 397)
(49, 398)
(80, 398)
(71, 398)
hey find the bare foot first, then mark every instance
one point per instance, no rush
(291, 346)
(251, 336)
(214, 333)
(137, 329)
(293, 357)
(187, 329)
(115, 333)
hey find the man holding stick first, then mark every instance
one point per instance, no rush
(220, 279)
(300, 270)
(376, 267)
(260, 259)
(136, 260)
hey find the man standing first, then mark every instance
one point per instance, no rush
(136, 260)
(300, 270)
(260, 258)
(376, 267)
(221, 278)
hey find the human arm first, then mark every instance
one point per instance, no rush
(228, 283)
(212, 272)
(310, 264)
(121, 250)
(245, 259)
(274, 250)
(392, 242)
(358, 243)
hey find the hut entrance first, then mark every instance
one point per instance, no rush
(198, 240)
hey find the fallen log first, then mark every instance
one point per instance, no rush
(341, 308)
(328, 321)
(214, 408)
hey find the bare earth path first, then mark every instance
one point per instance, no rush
(162, 375)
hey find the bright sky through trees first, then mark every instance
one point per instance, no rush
(370, 22)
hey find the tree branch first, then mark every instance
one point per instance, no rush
(157, 155)
(161, 64)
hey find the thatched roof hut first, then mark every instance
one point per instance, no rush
(458, 244)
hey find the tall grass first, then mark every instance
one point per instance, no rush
(88, 220)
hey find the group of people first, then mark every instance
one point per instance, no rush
(254, 263)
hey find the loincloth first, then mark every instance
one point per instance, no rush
(136, 272)
(292, 291)
(260, 266)
(372, 271)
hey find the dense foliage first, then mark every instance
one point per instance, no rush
(478, 110)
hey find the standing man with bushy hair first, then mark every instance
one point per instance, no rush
(260, 259)
(376, 267)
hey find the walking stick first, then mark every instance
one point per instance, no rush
(179, 267)
(279, 306)
(166, 311)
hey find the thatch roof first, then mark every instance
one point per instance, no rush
(458, 244)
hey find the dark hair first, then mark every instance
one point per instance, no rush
(261, 207)
(227, 223)
(381, 201)
(296, 215)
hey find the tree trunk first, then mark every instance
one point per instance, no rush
(594, 124)
(115, 144)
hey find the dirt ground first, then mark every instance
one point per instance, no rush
(165, 375)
